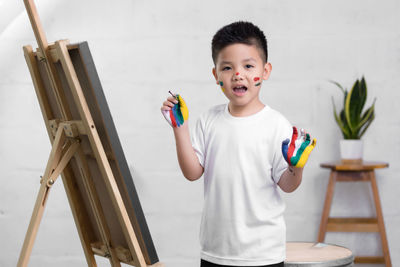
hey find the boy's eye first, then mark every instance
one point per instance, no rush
(248, 66)
(226, 68)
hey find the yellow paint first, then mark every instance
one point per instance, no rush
(184, 109)
(304, 157)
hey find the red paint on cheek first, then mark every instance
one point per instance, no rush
(256, 79)
(237, 73)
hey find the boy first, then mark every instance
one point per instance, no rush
(238, 148)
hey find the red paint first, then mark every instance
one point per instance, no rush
(256, 79)
(237, 73)
(292, 145)
(171, 115)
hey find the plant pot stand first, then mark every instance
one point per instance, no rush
(355, 172)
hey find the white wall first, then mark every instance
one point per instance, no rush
(142, 49)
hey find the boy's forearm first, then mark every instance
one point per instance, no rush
(188, 161)
(290, 179)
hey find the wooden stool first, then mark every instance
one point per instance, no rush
(305, 254)
(343, 171)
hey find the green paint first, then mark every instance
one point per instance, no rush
(257, 84)
(294, 160)
(178, 111)
(221, 83)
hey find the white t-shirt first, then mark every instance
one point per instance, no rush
(242, 222)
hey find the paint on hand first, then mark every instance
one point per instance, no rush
(297, 150)
(178, 114)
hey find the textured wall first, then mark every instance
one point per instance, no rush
(142, 49)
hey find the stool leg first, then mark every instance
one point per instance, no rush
(381, 224)
(327, 206)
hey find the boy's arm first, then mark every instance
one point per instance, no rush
(290, 179)
(187, 158)
(176, 113)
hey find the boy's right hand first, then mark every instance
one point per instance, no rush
(175, 110)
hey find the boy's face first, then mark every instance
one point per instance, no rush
(240, 71)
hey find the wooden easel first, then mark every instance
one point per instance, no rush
(70, 140)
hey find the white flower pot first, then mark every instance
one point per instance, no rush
(351, 149)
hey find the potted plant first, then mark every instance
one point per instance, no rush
(352, 121)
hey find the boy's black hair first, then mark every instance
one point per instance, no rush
(241, 32)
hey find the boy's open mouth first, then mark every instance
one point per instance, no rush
(239, 90)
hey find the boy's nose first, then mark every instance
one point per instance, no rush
(237, 76)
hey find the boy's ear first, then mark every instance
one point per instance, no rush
(267, 70)
(214, 72)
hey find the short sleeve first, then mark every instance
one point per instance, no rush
(279, 164)
(198, 140)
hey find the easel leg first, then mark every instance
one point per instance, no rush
(33, 226)
(37, 214)
(327, 206)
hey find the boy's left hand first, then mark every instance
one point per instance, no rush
(297, 150)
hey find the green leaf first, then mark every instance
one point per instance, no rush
(347, 112)
(367, 115)
(338, 85)
(367, 125)
(355, 103)
(344, 99)
(347, 134)
(339, 121)
(363, 95)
